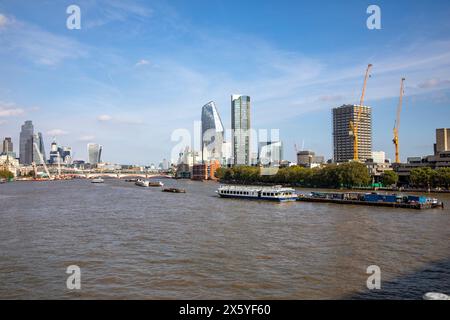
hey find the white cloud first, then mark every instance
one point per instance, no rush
(3, 20)
(37, 45)
(10, 110)
(117, 11)
(57, 132)
(142, 62)
(119, 119)
(433, 83)
(104, 117)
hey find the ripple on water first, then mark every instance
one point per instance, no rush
(140, 243)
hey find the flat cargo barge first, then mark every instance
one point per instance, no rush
(373, 199)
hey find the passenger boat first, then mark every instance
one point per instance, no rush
(142, 183)
(97, 180)
(276, 193)
(174, 190)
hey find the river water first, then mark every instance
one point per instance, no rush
(141, 243)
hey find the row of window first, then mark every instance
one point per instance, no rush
(245, 193)
(252, 193)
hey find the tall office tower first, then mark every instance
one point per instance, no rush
(26, 143)
(7, 146)
(38, 147)
(212, 133)
(442, 140)
(343, 143)
(94, 153)
(240, 125)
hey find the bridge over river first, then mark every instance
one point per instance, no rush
(94, 175)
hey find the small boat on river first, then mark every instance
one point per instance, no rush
(147, 183)
(174, 190)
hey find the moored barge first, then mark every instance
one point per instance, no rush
(373, 199)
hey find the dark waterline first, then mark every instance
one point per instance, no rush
(141, 243)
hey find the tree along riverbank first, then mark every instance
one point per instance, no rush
(352, 175)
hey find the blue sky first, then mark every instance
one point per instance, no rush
(138, 70)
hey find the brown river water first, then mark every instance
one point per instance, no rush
(141, 243)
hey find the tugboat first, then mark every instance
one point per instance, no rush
(276, 193)
(155, 184)
(174, 190)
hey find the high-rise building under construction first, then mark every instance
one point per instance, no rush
(343, 142)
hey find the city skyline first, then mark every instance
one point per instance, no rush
(117, 81)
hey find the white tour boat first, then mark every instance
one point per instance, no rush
(98, 180)
(276, 193)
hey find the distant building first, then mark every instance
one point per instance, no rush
(9, 163)
(227, 153)
(185, 163)
(270, 153)
(240, 125)
(7, 145)
(8, 148)
(343, 143)
(440, 159)
(308, 159)
(212, 133)
(165, 164)
(378, 156)
(376, 169)
(94, 153)
(184, 171)
(26, 143)
(54, 153)
(66, 155)
(205, 171)
(442, 140)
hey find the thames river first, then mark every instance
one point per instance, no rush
(141, 243)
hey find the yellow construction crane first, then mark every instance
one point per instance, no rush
(354, 126)
(397, 121)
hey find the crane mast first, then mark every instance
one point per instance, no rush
(42, 161)
(397, 121)
(354, 125)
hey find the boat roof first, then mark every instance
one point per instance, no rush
(255, 188)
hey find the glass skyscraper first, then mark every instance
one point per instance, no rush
(26, 143)
(212, 133)
(240, 125)
(94, 153)
(38, 144)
